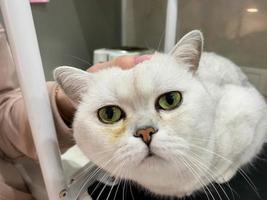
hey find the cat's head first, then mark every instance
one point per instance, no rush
(149, 124)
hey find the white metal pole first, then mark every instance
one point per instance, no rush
(22, 37)
(124, 5)
(171, 24)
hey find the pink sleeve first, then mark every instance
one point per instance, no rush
(8, 80)
(15, 132)
(11, 193)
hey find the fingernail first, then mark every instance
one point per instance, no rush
(139, 59)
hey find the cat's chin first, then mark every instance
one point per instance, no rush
(160, 177)
(167, 191)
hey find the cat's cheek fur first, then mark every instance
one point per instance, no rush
(240, 116)
(89, 139)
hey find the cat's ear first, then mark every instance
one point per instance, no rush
(188, 50)
(73, 81)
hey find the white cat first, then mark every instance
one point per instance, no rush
(173, 124)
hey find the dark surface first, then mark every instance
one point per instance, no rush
(241, 185)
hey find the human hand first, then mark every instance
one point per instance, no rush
(65, 106)
(124, 62)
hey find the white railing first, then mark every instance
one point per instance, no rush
(171, 25)
(24, 46)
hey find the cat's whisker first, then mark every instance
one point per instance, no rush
(241, 171)
(123, 190)
(202, 183)
(249, 181)
(87, 177)
(115, 181)
(97, 154)
(114, 198)
(147, 45)
(120, 180)
(98, 184)
(261, 159)
(80, 59)
(210, 172)
(100, 153)
(192, 171)
(102, 190)
(117, 168)
(199, 180)
(126, 174)
(160, 40)
(92, 175)
(181, 174)
(127, 182)
(83, 185)
(199, 140)
(203, 138)
(131, 191)
(105, 176)
(232, 191)
(209, 175)
(211, 152)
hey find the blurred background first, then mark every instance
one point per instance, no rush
(235, 29)
(70, 30)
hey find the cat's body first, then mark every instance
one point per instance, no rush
(218, 125)
(240, 122)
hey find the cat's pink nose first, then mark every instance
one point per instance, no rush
(146, 134)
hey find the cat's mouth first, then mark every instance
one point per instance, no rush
(151, 156)
(150, 153)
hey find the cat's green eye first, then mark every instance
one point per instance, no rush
(110, 114)
(169, 100)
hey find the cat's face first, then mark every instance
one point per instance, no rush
(149, 124)
(126, 125)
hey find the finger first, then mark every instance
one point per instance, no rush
(124, 62)
(140, 59)
(99, 66)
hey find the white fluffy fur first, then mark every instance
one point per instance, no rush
(219, 127)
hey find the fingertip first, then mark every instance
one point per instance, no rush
(98, 66)
(124, 62)
(142, 58)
